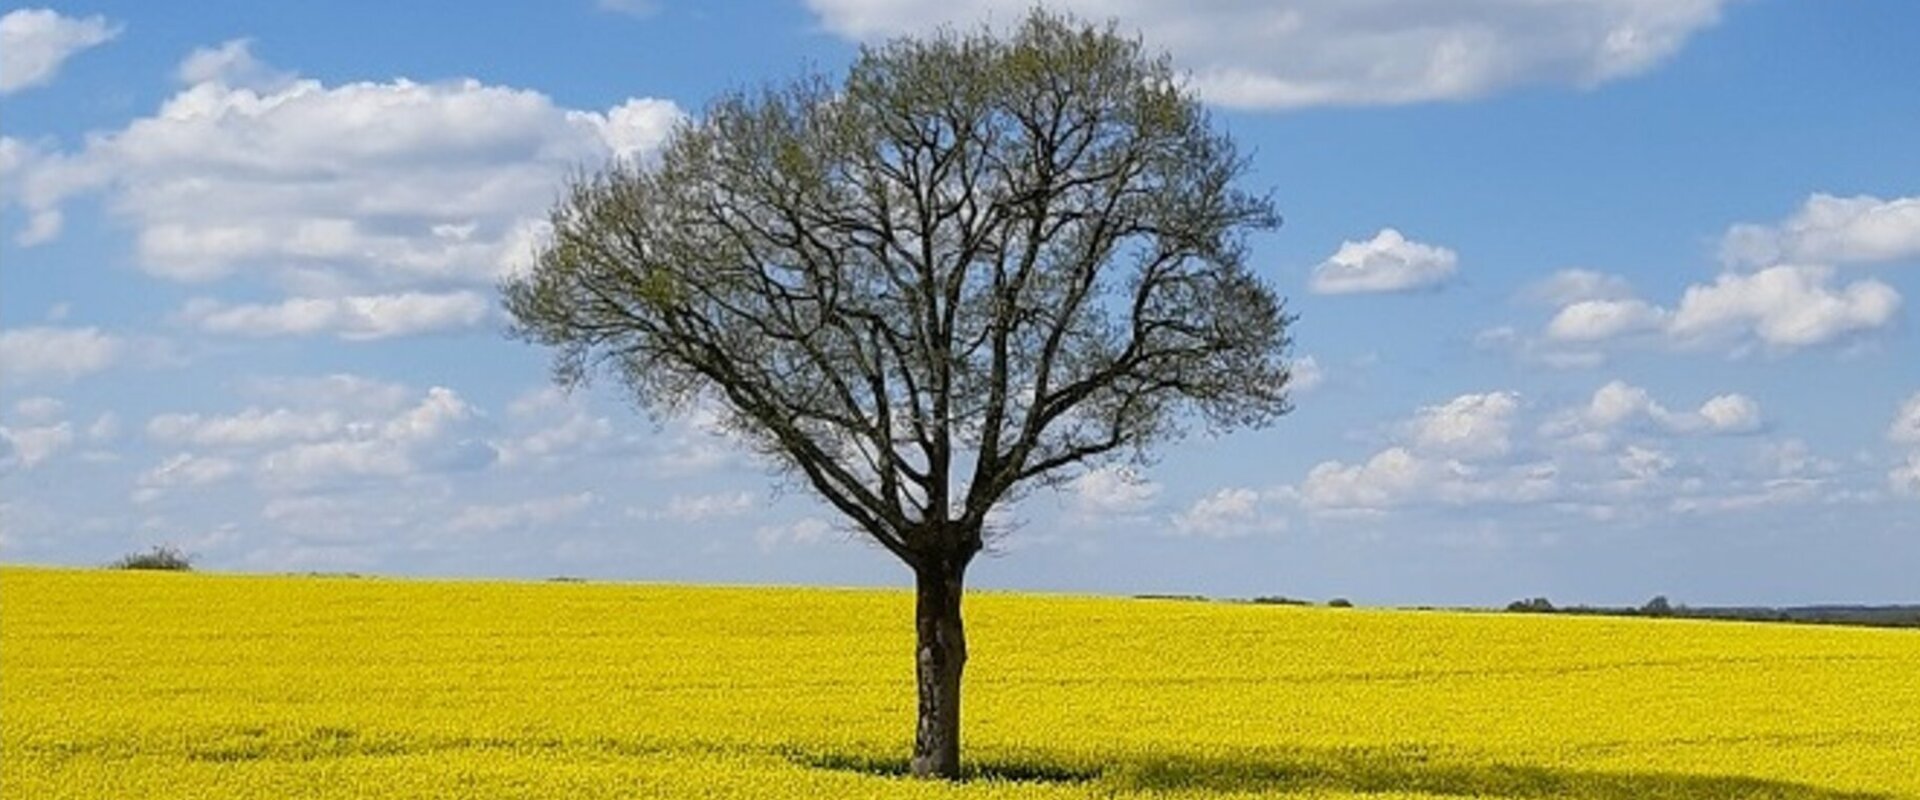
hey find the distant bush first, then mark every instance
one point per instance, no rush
(160, 557)
(1532, 605)
(1278, 600)
(1339, 602)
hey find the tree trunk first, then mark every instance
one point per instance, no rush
(940, 655)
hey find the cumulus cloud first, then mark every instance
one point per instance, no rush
(1783, 307)
(550, 427)
(335, 190)
(38, 408)
(1399, 477)
(1452, 453)
(1780, 308)
(433, 435)
(1906, 424)
(1112, 491)
(231, 64)
(1537, 349)
(29, 446)
(34, 42)
(55, 354)
(354, 318)
(1830, 230)
(1230, 512)
(1619, 404)
(1468, 426)
(1257, 54)
(1597, 320)
(1305, 375)
(1905, 478)
(253, 427)
(1569, 286)
(802, 532)
(182, 470)
(1613, 454)
(1389, 262)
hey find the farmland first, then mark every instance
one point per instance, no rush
(141, 685)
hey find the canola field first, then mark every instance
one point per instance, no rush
(143, 685)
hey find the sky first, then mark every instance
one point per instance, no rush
(1598, 299)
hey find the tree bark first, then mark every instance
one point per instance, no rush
(940, 655)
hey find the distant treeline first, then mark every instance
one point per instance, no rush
(1871, 616)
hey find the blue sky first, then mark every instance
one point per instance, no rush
(1598, 299)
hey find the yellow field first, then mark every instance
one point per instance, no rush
(130, 685)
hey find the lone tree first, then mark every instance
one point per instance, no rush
(976, 264)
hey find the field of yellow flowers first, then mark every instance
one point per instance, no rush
(144, 685)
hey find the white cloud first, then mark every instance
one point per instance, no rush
(1398, 477)
(1619, 404)
(38, 409)
(354, 318)
(252, 427)
(552, 427)
(27, 447)
(104, 428)
(42, 226)
(183, 470)
(1906, 424)
(807, 531)
(1783, 307)
(1596, 320)
(34, 42)
(1569, 286)
(338, 190)
(431, 436)
(1257, 54)
(1537, 350)
(348, 394)
(1727, 413)
(231, 64)
(1469, 426)
(526, 514)
(1112, 491)
(1780, 308)
(1644, 464)
(1792, 458)
(1830, 230)
(56, 354)
(1905, 478)
(1776, 492)
(1389, 262)
(1229, 512)
(1305, 375)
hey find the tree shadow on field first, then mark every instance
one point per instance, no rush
(1356, 770)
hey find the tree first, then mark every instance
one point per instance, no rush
(977, 264)
(1659, 606)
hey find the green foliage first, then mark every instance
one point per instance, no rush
(1532, 605)
(1657, 607)
(971, 263)
(163, 557)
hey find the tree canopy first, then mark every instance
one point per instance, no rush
(976, 263)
